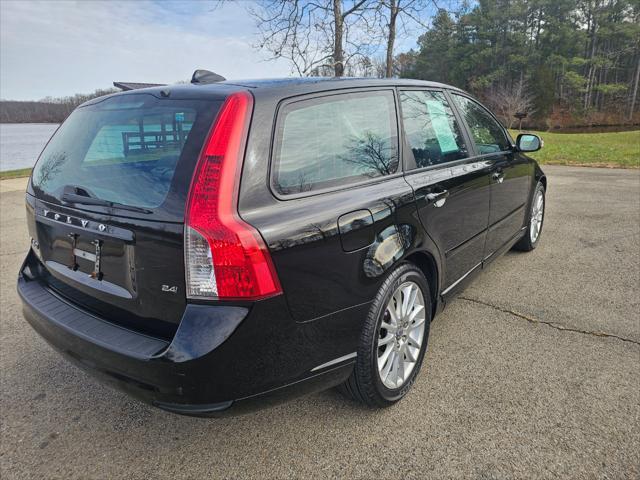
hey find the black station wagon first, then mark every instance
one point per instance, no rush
(221, 245)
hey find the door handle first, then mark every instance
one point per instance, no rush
(498, 177)
(439, 198)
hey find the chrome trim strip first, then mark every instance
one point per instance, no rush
(335, 360)
(441, 172)
(460, 279)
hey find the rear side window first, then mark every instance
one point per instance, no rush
(486, 132)
(124, 149)
(335, 140)
(430, 128)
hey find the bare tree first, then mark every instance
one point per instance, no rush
(509, 100)
(46, 170)
(366, 66)
(315, 35)
(634, 89)
(397, 18)
(373, 154)
(391, 11)
(379, 67)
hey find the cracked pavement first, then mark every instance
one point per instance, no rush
(533, 372)
(557, 326)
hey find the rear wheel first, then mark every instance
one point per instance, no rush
(393, 341)
(536, 217)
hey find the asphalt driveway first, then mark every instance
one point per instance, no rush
(533, 372)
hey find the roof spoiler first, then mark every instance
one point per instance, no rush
(125, 86)
(205, 76)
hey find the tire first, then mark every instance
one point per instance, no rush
(366, 383)
(536, 220)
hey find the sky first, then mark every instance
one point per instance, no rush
(58, 47)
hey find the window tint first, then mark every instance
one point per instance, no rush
(430, 128)
(123, 149)
(487, 134)
(335, 140)
(144, 135)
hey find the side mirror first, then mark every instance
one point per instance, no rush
(528, 142)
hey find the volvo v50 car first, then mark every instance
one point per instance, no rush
(218, 246)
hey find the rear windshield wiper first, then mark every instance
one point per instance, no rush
(82, 196)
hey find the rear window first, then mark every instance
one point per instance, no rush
(125, 149)
(335, 140)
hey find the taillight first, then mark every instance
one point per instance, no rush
(225, 257)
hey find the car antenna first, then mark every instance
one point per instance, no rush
(205, 76)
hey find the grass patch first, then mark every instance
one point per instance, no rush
(612, 149)
(23, 172)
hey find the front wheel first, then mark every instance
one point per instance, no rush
(536, 217)
(393, 341)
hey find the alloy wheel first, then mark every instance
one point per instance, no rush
(537, 212)
(401, 335)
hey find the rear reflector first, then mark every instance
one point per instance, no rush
(225, 257)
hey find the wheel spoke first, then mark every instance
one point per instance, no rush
(393, 371)
(413, 342)
(417, 323)
(383, 360)
(400, 370)
(386, 370)
(397, 297)
(392, 314)
(416, 310)
(410, 355)
(412, 300)
(406, 299)
(386, 340)
(388, 327)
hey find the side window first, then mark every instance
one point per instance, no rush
(335, 140)
(430, 128)
(487, 134)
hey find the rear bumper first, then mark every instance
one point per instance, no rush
(222, 360)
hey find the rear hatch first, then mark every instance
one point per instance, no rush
(106, 206)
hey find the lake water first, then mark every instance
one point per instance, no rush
(21, 143)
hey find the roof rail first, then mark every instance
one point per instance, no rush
(205, 76)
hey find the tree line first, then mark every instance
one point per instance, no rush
(560, 62)
(47, 110)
